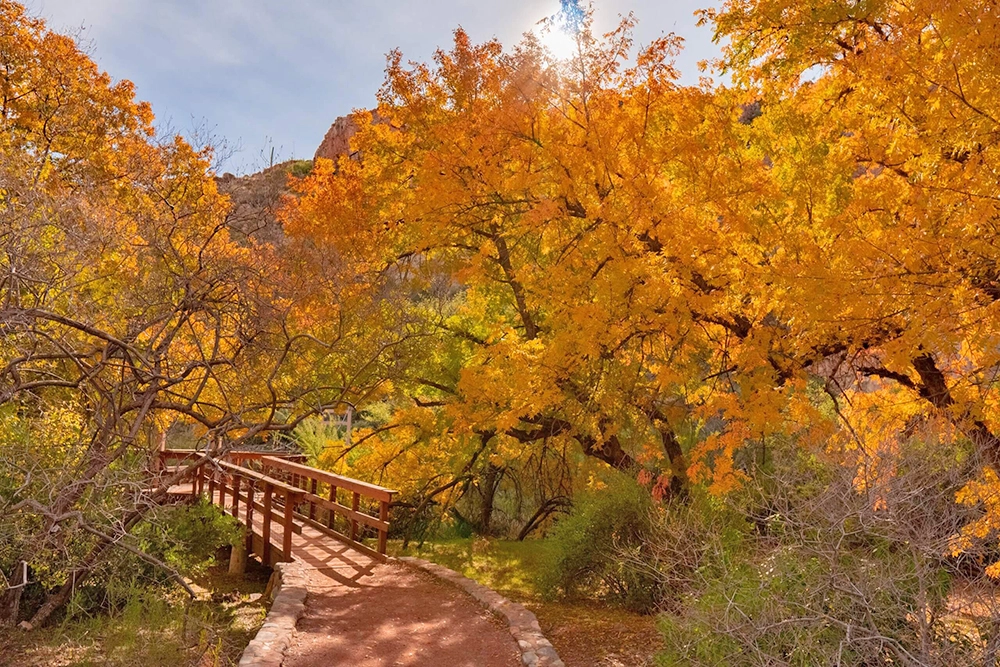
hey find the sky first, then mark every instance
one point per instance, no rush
(263, 74)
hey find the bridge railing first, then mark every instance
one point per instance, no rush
(255, 494)
(323, 492)
(279, 489)
(170, 458)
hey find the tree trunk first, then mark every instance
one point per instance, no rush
(934, 388)
(678, 463)
(610, 452)
(56, 600)
(10, 599)
(543, 512)
(238, 557)
(488, 490)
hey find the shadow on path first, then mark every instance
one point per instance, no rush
(394, 616)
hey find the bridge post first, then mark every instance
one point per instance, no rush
(249, 514)
(288, 524)
(238, 558)
(330, 514)
(383, 534)
(312, 505)
(236, 496)
(223, 485)
(266, 532)
(211, 487)
(355, 505)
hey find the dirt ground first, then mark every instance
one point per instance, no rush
(589, 634)
(397, 617)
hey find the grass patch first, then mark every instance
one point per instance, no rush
(510, 568)
(585, 632)
(152, 628)
(300, 168)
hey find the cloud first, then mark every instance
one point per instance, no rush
(255, 69)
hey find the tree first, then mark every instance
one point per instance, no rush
(601, 255)
(878, 228)
(125, 307)
(541, 215)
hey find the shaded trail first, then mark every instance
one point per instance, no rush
(359, 610)
(394, 616)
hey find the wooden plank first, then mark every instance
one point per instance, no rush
(236, 496)
(313, 546)
(255, 542)
(276, 484)
(364, 488)
(248, 521)
(275, 514)
(188, 454)
(340, 537)
(330, 514)
(355, 504)
(245, 455)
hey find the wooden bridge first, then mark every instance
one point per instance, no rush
(291, 511)
(359, 610)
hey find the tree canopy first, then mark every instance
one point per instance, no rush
(527, 269)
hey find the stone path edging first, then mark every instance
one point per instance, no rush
(536, 650)
(267, 648)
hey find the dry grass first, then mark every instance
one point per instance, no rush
(151, 631)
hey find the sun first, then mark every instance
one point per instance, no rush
(558, 41)
(559, 33)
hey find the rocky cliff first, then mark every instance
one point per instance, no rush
(256, 198)
(337, 141)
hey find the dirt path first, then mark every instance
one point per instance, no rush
(394, 616)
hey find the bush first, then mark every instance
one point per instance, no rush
(588, 547)
(840, 573)
(300, 168)
(187, 537)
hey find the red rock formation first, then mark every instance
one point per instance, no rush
(337, 141)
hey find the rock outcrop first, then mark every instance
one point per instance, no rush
(257, 197)
(337, 141)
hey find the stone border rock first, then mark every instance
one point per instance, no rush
(536, 650)
(267, 648)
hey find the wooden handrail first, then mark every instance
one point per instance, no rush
(269, 485)
(343, 510)
(373, 491)
(287, 489)
(311, 477)
(236, 455)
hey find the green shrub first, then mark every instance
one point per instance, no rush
(837, 574)
(300, 168)
(590, 548)
(187, 537)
